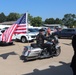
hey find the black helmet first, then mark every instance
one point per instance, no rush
(41, 30)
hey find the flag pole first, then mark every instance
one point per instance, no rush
(27, 26)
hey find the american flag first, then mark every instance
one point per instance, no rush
(20, 26)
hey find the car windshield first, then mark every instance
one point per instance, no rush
(37, 29)
(33, 30)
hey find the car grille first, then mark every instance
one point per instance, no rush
(33, 36)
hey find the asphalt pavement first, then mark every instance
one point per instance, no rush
(10, 63)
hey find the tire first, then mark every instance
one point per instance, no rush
(22, 57)
(58, 51)
(23, 39)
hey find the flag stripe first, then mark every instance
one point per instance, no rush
(12, 31)
(21, 28)
(20, 31)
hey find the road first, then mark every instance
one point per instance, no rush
(10, 63)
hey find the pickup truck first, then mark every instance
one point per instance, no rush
(66, 33)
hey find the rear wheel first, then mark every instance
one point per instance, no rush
(23, 39)
(23, 58)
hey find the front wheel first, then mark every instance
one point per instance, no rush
(23, 39)
(58, 51)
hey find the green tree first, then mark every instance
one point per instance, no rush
(74, 24)
(49, 21)
(58, 21)
(30, 18)
(2, 17)
(46, 21)
(36, 21)
(13, 16)
(68, 19)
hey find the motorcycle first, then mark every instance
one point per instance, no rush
(34, 52)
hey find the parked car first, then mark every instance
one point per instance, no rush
(0, 33)
(68, 33)
(3, 30)
(28, 36)
(4, 43)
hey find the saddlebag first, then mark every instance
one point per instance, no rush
(34, 45)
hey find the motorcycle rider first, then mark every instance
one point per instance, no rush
(40, 41)
(40, 38)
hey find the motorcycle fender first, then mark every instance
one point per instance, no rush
(26, 53)
(57, 46)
